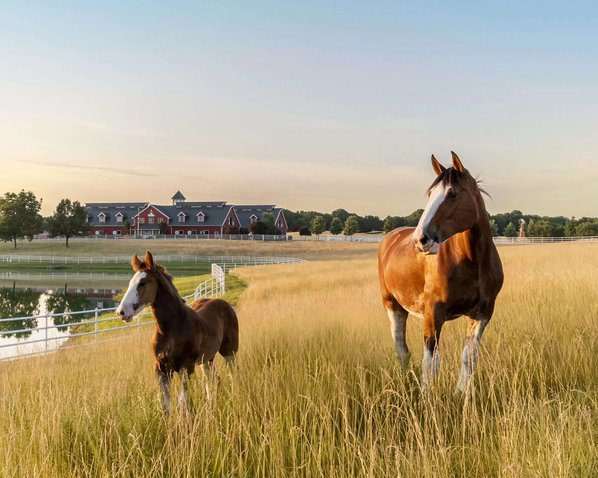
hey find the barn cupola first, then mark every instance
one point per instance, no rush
(178, 199)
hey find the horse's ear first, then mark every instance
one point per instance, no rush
(149, 260)
(438, 168)
(457, 164)
(135, 263)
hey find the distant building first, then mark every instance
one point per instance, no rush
(179, 218)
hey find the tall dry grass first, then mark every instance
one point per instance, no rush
(318, 391)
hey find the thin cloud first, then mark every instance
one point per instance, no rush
(74, 167)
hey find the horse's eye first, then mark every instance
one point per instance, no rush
(451, 194)
(142, 283)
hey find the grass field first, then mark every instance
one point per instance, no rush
(318, 391)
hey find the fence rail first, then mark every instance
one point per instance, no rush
(500, 240)
(232, 260)
(49, 331)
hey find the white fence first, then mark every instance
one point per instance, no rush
(501, 240)
(177, 237)
(47, 332)
(41, 276)
(213, 287)
(226, 260)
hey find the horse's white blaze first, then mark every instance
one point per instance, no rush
(437, 197)
(131, 298)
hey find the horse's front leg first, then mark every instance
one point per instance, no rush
(471, 347)
(183, 400)
(433, 321)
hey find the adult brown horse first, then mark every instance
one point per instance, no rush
(184, 336)
(446, 267)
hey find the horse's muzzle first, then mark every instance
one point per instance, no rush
(123, 315)
(426, 244)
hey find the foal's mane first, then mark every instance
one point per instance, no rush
(451, 176)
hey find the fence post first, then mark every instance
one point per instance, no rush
(96, 324)
(46, 333)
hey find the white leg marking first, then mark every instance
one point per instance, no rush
(430, 367)
(165, 389)
(398, 324)
(209, 377)
(183, 402)
(469, 356)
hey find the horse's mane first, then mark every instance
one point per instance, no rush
(451, 176)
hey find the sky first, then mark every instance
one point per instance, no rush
(309, 105)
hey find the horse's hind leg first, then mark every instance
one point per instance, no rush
(471, 347)
(210, 377)
(398, 326)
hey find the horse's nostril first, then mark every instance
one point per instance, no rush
(424, 239)
(121, 312)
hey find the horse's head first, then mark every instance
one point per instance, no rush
(143, 287)
(452, 206)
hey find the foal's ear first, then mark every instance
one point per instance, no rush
(457, 162)
(149, 260)
(438, 168)
(135, 263)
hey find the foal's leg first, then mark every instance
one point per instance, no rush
(164, 381)
(209, 376)
(471, 347)
(183, 401)
(398, 325)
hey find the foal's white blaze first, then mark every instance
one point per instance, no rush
(437, 197)
(130, 304)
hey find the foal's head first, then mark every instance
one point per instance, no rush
(452, 206)
(143, 287)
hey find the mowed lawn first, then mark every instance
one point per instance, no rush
(317, 390)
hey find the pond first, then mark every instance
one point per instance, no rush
(30, 307)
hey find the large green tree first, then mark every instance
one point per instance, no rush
(336, 226)
(19, 216)
(69, 220)
(351, 226)
(317, 225)
(510, 230)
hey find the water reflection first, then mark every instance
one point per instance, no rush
(18, 303)
(26, 302)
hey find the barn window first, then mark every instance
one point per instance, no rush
(181, 216)
(101, 217)
(252, 218)
(141, 220)
(201, 217)
(119, 217)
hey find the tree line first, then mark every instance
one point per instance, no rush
(20, 219)
(502, 224)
